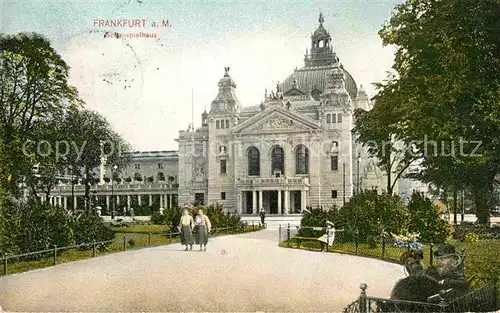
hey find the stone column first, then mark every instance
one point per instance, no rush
(279, 202)
(161, 201)
(139, 199)
(117, 200)
(107, 203)
(303, 200)
(171, 201)
(128, 201)
(254, 202)
(260, 200)
(150, 200)
(287, 201)
(74, 202)
(65, 203)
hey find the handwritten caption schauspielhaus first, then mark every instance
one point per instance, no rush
(129, 23)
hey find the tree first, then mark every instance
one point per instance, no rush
(447, 86)
(93, 135)
(377, 130)
(34, 89)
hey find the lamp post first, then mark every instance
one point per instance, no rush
(343, 184)
(113, 168)
(72, 186)
(357, 184)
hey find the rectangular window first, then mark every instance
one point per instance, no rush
(334, 194)
(227, 123)
(160, 166)
(339, 118)
(223, 196)
(334, 120)
(334, 163)
(223, 166)
(137, 166)
(221, 124)
(328, 118)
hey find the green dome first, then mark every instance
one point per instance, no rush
(310, 78)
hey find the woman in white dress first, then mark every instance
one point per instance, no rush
(328, 237)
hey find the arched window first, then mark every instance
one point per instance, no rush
(302, 160)
(278, 160)
(253, 162)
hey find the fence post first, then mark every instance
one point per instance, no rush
(5, 261)
(362, 298)
(383, 245)
(288, 232)
(327, 239)
(93, 249)
(253, 225)
(431, 254)
(55, 254)
(443, 303)
(124, 243)
(149, 239)
(279, 233)
(169, 237)
(357, 235)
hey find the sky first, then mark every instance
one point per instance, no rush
(146, 87)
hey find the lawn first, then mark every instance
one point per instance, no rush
(391, 252)
(141, 228)
(139, 233)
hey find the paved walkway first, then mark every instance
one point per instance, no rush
(245, 272)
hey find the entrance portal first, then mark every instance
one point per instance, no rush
(199, 199)
(273, 202)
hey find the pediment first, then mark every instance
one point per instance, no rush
(294, 92)
(277, 120)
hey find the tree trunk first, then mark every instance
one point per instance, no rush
(483, 199)
(87, 188)
(455, 206)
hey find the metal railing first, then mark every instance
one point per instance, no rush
(125, 241)
(483, 299)
(381, 246)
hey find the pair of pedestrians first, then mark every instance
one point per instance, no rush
(186, 226)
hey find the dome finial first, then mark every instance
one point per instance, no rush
(321, 18)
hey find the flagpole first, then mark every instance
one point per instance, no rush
(192, 108)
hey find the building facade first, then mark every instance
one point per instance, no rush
(294, 149)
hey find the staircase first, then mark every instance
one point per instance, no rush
(273, 221)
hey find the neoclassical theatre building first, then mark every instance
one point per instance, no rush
(294, 149)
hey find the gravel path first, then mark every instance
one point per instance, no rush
(247, 272)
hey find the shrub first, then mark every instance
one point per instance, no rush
(143, 210)
(89, 226)
(481, 230)
(471, 238)
(368, 213)
(219, 218)
(43, 226)
(317, 218)
(425, 220)
(158, 219)
(9, 225)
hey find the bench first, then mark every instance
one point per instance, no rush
(299, 240)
